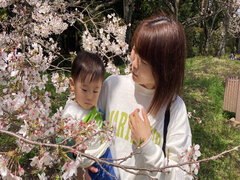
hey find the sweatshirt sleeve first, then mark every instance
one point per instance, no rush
(178, 138)
(102, 100)
(104, 94)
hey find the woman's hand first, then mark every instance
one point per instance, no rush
(140, 129)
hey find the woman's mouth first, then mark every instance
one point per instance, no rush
(134, 74)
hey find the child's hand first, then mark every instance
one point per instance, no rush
(83, 175)
(140, 129)
(93, 169)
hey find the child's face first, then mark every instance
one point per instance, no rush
(86, 93)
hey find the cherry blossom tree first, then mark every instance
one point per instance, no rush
(27, 52)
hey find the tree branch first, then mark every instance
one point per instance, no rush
(126, 168)
(105, 4)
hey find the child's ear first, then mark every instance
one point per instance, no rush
(71, 83)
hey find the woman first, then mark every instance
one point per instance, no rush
(135, 104)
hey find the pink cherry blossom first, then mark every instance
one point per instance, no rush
(191, 154)
(70, 169)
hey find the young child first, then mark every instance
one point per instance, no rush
(87, 75)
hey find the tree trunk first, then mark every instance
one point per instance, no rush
(77, 44)
(206, 34)
(177, 9)
(208, 43)
(224, 34)
(238, 45)
(128, 8)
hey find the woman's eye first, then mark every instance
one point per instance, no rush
(84, 90)
(95, 91)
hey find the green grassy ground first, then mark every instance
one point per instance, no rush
(204, 93)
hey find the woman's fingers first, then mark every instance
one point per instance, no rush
(140, 128)
(144, 114)
(132, 123)
(133, 116)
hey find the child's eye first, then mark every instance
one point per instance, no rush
(84, 90)
(95, 91)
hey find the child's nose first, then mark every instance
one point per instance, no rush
(89, 96)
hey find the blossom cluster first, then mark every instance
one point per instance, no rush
(60, 82)
(82, 134)
(190, 155)
(233, 16)
(109, 41)
(77, 132)
(5, 3)
(190, 115)
(6, 173)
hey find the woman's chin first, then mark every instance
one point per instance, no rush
(135, 79)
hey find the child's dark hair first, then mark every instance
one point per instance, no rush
(85, 64)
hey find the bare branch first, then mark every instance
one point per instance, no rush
(196, 19)
(105, 4)
(170, 6)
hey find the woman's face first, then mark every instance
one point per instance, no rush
(142, 71)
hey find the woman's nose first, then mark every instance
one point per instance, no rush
(134, 64)
(134, 60)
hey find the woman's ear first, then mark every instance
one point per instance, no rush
(71, 83)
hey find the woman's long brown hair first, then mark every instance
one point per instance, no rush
(160, 41)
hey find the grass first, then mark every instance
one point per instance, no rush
(204, 92)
